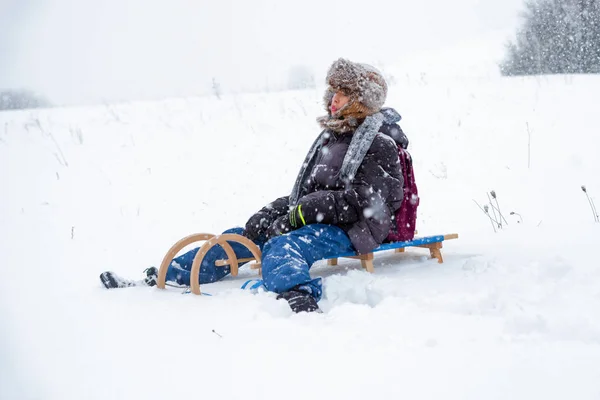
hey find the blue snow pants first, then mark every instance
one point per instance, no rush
(286, 259)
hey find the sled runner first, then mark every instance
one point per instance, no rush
(433, 243)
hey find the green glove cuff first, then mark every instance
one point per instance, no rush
(296, 217)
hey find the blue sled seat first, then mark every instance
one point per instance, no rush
(433, 243)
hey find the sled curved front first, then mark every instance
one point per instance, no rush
(176, 248)
(232, 260)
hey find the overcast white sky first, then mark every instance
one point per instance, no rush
(79, 51)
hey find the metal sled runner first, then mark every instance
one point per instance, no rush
(433, 243)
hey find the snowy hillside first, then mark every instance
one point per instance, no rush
(511, 314)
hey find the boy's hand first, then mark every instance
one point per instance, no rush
(257, 225)
(281, 226)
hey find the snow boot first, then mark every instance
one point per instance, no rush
(300, 301)
(110, 280)
(151, 276)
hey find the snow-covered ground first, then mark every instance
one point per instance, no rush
(510, 314)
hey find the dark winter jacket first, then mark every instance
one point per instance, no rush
(365, 206)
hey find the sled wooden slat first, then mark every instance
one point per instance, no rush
(224, 263)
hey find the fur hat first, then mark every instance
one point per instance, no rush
(363, 83)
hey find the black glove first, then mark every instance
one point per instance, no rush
(257, 225)
(280, 226)
(331, 207)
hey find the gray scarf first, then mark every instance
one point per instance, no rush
(359, 146)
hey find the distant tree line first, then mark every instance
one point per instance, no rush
(557, 37)
(18, 99)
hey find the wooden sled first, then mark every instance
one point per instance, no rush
(433, 243)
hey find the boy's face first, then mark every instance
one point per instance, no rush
(338, 101)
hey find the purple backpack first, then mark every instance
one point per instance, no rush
(405, 220)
